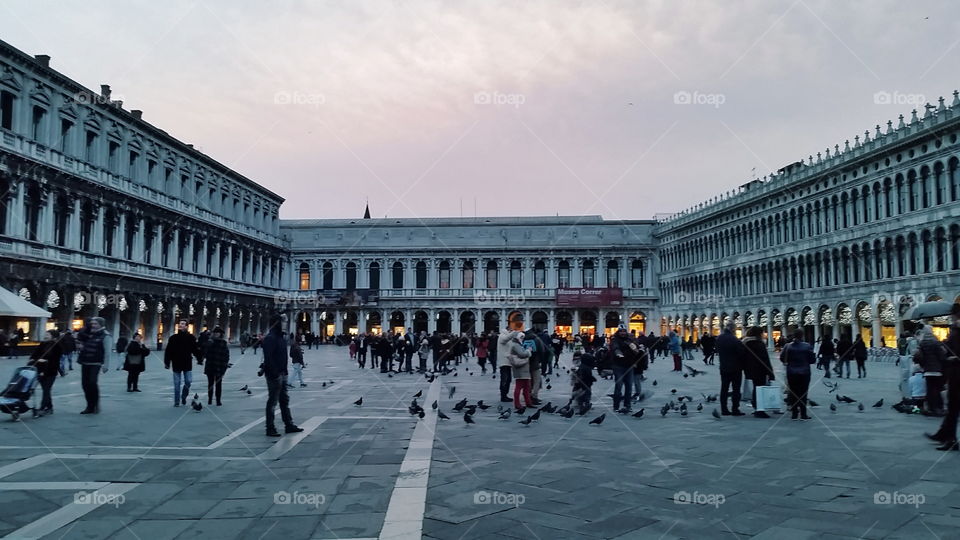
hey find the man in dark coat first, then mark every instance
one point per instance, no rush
(217, 360)
(757, 365)
(947, 434)
(731, 352)
(181, 350)
(275, 358)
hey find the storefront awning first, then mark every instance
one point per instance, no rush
(11, 305)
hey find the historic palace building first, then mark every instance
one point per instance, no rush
(471, 274)
(842, 242)
(105, 214)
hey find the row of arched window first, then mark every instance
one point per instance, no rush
(916, 190)
(900, 256)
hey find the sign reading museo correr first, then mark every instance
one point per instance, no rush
(593, 297)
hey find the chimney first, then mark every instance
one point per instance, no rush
(42, 59)
(138, 114)
(105, 91)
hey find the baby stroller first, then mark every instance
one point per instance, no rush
(13, 399)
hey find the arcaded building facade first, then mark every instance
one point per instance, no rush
(841, 242)
(470, 274)
(105, 214)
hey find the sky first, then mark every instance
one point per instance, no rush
(426, 109)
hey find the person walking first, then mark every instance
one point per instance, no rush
(134, 362)
(94, 344)
(244, 341)
(860, 355)
(731, 352)
(827, 351)
(275, 373)
(296, 358)
(46, 358)
(216, 364)
(481, 352)
(844, 355)
(757, 365)
(182, 348)
(798, 356)
(68, 345)
(362, 343)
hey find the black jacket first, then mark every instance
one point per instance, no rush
(181, 350)
(274, 354)
(621, 353)
(136, 350)
(757, 364)
(731, 352)
(826, 348)
(217, 357)
(46, 357)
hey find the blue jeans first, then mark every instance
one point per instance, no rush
(622, 380)
(637, 374)
(66, 360)
(187, 379)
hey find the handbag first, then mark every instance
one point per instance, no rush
(768, 397)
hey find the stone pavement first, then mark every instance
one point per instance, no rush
(144, 469)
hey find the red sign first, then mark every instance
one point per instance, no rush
(592, 297)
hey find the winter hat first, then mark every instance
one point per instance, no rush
(621, 326)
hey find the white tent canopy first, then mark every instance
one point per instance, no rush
(11, 305)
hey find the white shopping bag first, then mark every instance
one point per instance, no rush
(769, 398)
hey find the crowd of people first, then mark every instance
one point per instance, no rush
(522, 359)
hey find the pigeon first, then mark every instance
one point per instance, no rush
(505, 415)
(664, 410)
(460, 405)
(453, 390)
(567, 413)
(418, 394)
(548, 408)
(812, 403)
(195, 403)
(414, 404)
(323, 385)
(847, 399)
(878, 404)
(599, 420)
(638, 414)
(249, 392)
(482, 406)
(442, 416)
(526, 421)
(860, 407)
(654, 383)
(245, 387)
(833, 407)
(716, 414)
(838, 398)
(468, 419)
(673, 390)
(359, 402)
(699, 407)
(683, 412)
(535, 416)
(471, 409)
(549, 387)
(421, 414)
(434, 405)
(693, 372)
